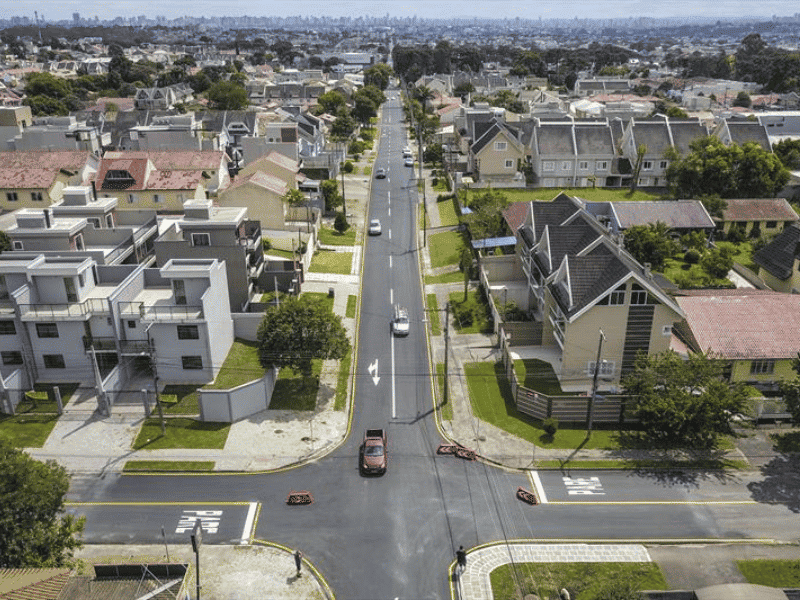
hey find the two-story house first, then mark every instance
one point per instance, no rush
(779, 261)
(496, 155)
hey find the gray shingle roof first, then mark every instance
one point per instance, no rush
(685, 132)
(779, 255)
(594, 139)
(749, 131)
(555, 139)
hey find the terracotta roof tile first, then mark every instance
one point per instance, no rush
(38, 168)
(32, 584)
(268, 182)
(758, 209)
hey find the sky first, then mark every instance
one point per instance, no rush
(599, 9)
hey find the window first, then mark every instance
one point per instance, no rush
(771, 224)
(158, 198)
(7, 328)
(606, 368)
(601, 165)
(615, 298)
(500, 146)
(201, 239)
(566, 165)
(509, 164)
(662, 164)
(583, 165)
(54, 361)
(647, 165)
(131, 198)
(79, 242)
(12, 357)
(131, 324)
(548, 165)
(47, 330)
(94, 221)
(11, 196)
(188, 332)
(18, 246)
(110, 221)
(179, 289)
(36, 196)
(69, 287)
(666, 330)
(192, 362)
(638, 294)
(762, 367)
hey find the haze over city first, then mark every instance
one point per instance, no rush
(55, 10)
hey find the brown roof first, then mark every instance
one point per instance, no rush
(758, 209)
(134, 163)
(515, 215)
(174, 180)
(38, 169)
(32, 584)
(738, 324)
(187, 160)
(261, 179)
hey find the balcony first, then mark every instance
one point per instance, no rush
(100, 344)
(160, 312)
(65, 312)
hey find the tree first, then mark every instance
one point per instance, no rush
(227, 95)
(331, 101)
(298, 331)
(717, 263)
(330, 194)
(650, 243)
(676, 112)
(743, 99)
(34, 531)
(788, 151)
(343, 125)
(5, 242)
(486, 219)
(682, 402)
(378, 75)
(641, 150)
(294, 197)
(46, 84)
(791, 391)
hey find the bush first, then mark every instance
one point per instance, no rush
(462, 313)
(348, 167)
(266, 244)
(340, 224)
(550, 426)
(692, 256)
(355, 147)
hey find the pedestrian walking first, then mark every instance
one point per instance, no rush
(461, 558)
(298, 561)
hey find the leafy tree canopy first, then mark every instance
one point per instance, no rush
(683, 402)
(34, 531)
(298, 331)
(650, 243)
(227, 95)
(486, 219)
(788, 151)
(378, 75)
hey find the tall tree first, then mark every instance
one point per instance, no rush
(378, 75)
(227, 95)
(298, 331)
(682, 402)
(650, 243)
(34, 531)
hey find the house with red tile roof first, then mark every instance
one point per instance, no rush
(755, 217)
(277, 165)
(739, 327)
(37, 178)
(262, 194)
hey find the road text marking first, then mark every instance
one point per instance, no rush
(209, 520)
(373, 370)
(584, 486)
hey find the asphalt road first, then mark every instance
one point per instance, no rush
(393, 536)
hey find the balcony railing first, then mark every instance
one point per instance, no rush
(175, 312)
(74, 310)
(99, 343)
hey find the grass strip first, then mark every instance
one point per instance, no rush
(446, 404)
(449, 277)
(181, 433)
(772, 573)
(331, 237)
(168, 465)
(327, 261)
(293, 391)
(350, 311)
(27, 430)
(433, 314)
(340, 401)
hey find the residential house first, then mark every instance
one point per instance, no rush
(680, 216)
(739, 327)
(175, 132)
(277, 165)
(37, 178)
(656, 136)
(496, 155)
(221, 233)
(741, 131)
(134, 177)
(579, 281)
(57, 133)
(754, 217)
(13, 121)
(271, 134)
(262, 194)
(590, 87)
(162, 98)
(779, 261)
(120, 316)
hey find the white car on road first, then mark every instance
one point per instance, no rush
(374, 227)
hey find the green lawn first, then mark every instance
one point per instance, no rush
(584, 581)
(445, 248)
(168, 465)
(240, 366)
(433, 314)
(490, 396)
(590, 194)
(326, 261)
(537, 375)
(786, 442)
(472, 315)
(319, 297)
(685, 275)
(449, 277)
(286, 254)
(27, 430)
(331, 237)
(368, 170)
(66, 389)
(350, 312)
(447, 406)
(181, 433)
(180, 399)
(773, 573)
(448, 213)
(36, 402)
(743, 253)
(295, 392)
(340, 401)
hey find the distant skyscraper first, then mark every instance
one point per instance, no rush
(76, 18)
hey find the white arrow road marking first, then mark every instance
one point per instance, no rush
(248, 523)
(373, 370)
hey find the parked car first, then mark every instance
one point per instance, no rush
(374, 227)
(406, 152)
(409, 162)
(400, 324)
(380, 174)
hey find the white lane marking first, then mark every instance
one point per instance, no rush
(538, 487)
(248, 523)
(390, 234)
(391, 295)
(394, 403)
(373, 370)
(390, 261)
(390, 211)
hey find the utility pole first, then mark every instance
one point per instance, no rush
(344, 202)
(593, 397)
(155, 385)
(446, 348)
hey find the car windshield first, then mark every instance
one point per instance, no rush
(374, 451)
(375, 222)
(402, 321)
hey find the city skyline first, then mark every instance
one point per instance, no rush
(60, 10)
